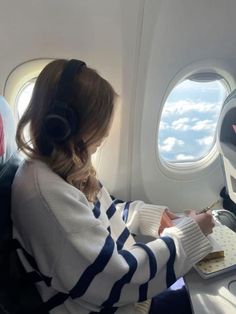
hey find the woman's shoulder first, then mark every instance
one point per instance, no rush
(37, 176)
(39, 191)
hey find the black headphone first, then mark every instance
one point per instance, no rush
(62, 120)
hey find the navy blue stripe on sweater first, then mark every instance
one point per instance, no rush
(111, 211)
(53, 302)
(152, 259)
(170, 273)
(122, 238)
(96, 209)
(125, 213)
(100, 184)
(143, 289)
(95, 268)
(116, 201)
(125, 279)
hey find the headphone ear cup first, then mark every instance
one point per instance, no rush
(61, 122)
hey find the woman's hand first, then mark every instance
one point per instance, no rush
(171, 215)
(205, 221)
(166, 220)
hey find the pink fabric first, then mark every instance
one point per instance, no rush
(1, 137)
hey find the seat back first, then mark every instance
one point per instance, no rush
(18, 295)
(9, 161)
(226, 142)
(7, 132)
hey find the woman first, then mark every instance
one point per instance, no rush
(73, 235)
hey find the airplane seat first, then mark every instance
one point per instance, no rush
(17, 294)
(226, 143)
(9, 161)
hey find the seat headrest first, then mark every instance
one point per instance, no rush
(7, 132)
(226, 142)
(226, 129)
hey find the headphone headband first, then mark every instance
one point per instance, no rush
(62, 120)
(65, 83)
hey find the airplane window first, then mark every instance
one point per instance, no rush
(188, 122)
(23, 97)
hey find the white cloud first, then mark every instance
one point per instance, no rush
(170, 143)
(164, 125)
(185, 157)
(204, 125)
(206, 140)
(185, 106)
(181, 124)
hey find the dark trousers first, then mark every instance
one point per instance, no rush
(171, 302)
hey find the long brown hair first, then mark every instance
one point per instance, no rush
(93, 100)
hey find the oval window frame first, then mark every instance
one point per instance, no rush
(19, 77)
(16, 109)
(186, 169)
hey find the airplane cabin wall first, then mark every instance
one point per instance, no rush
(142, 47)
(103, 33)
(187, 36)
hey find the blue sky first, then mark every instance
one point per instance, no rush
(189, 119)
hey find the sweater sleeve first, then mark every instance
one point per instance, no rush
(91, 267)
(140, 218)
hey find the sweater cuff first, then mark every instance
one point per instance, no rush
(194, 242)
(150, 217)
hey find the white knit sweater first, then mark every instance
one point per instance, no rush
(83, 253)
